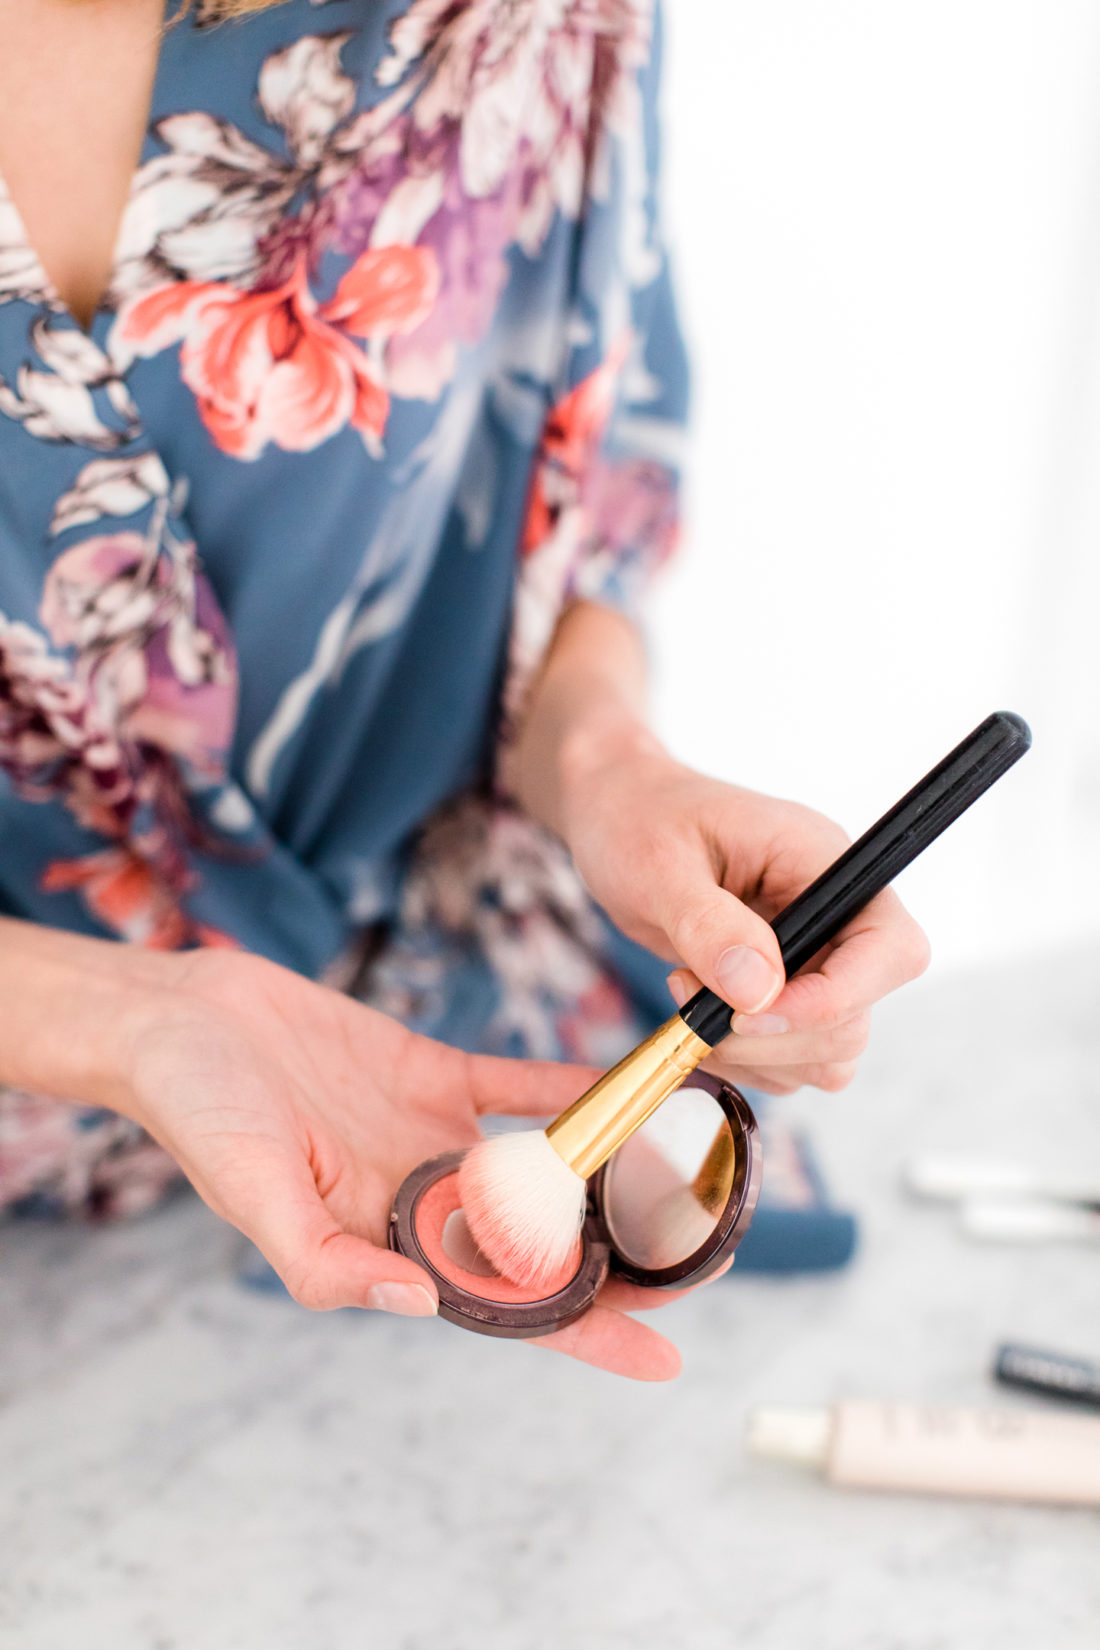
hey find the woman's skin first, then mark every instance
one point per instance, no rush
(70, 139)
(294, 1111)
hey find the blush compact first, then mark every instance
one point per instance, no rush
(660, 1166)
(667, 1210)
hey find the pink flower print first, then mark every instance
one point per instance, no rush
(77, 1159)
(499, 120)
(631, 506)
(527, 85)
(470, 239)
(120, 729)
(53, 738)
(150, 640)
(272, 365)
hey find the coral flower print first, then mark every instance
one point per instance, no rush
(273, 366)
(130, 900)
(569, 442)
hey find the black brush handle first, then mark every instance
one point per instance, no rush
(872, 863)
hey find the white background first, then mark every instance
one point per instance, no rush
(885, 223)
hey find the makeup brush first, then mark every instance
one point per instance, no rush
(524, 1194)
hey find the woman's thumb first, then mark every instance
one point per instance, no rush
(323, 1266)
(345, 1270)
(729, 947)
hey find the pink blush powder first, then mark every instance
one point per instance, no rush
(433, 1209)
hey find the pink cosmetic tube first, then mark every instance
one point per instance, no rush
(1020, 1455)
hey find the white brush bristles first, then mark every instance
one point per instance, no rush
(523, 1205)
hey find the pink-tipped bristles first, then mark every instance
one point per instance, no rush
(524, 1207)
(524, 1194)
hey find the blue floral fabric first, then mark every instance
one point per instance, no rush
(386, 375)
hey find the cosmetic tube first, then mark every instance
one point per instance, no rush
(1021, 1455)
(1027, 1220)
(1050, 1373)
(940, 1178)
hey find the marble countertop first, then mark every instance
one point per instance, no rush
(187, 1465)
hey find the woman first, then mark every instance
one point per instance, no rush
(330, 478)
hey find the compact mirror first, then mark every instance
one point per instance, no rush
(666, 1189)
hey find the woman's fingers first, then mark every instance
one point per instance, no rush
(839, 1044)
(632, 1297)
(789, 1079)
(881, 950)
(525, 1088)
(878, 952)
(609, 1340)
(781, 1062)
(772, 1046)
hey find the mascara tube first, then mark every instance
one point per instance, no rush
(1050, 1373)
(1006, 1454)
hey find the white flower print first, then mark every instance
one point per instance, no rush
(519, 80)
(58, 404)
(110, 487)
(200, 211)
(21, 275)
(302, 90)
(203, 211)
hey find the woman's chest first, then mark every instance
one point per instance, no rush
(332, 205)
(75, 89)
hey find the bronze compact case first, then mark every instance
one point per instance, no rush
(666, 1211)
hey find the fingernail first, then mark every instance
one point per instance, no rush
(407, 1299)
(747, 979)
(677, 991)
(760, 1025)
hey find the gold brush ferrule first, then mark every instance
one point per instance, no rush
(598, 1123)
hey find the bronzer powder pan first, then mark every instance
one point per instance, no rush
(667, 1210)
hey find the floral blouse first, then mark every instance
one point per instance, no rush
(386, 374)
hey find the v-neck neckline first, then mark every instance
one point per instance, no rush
(172, 21)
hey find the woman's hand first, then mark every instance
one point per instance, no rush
(296, 1113)
(693, 868)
